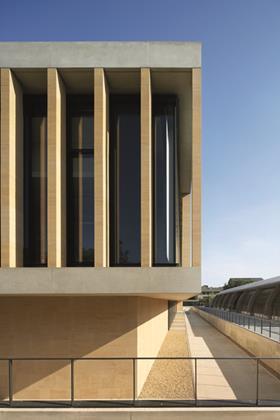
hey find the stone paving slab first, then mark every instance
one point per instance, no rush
(226, 379)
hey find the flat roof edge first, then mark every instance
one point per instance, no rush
(158, 281)
(108, 54)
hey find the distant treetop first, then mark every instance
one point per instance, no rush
(240, 281)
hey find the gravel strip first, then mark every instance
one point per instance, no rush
(170, 379)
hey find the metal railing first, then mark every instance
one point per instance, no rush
(267, 327)
(197, 380)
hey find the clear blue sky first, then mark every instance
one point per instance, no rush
(241, 106)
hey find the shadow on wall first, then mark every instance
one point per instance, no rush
(65, 327)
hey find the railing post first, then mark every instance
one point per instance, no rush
(10, 382)
(195, 381)
(257, 384)
(269, 329)
(261, 326)
(72, 382)
(134, 382)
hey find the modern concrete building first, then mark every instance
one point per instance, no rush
(100, 210)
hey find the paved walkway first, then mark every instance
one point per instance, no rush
(225, 379)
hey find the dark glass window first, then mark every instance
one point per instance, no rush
(80, 194)
(124, 180)
(35, 180)
(164, 161)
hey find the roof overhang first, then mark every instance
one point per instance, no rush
(100, 54)
(174, 283)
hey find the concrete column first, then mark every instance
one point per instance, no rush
(56, 170)
(146, 168)
(11, 171)
(196, 167)
(186, 231)
(0, 166)
(101, 130)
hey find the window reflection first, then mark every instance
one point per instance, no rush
(35, 180)
(124, 180)
(80, 181)
(164, 151)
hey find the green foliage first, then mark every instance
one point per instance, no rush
(237, 282)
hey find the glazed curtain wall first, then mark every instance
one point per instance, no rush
(80, 191)
(124, 180)
(164, 180)
(35, 180)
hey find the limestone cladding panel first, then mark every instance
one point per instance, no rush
(186, 230)
(0, 166)
(11, 171)
(196, 167)
(56, 170)
(78, 327)
(100, 166)
(152, 328)
(146, 168)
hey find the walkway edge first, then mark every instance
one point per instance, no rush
(142, 414)
(253, 343)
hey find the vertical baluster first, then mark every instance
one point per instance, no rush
(134, 382)
(195, 380)
(257, 383)
(10, 382)
(72, 382)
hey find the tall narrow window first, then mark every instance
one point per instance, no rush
(80, 197)
(125, 180)
(35, 180)
(164, 161)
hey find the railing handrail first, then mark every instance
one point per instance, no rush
(211, 308)
(248, 321)
(134, 401)
(3, 359)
